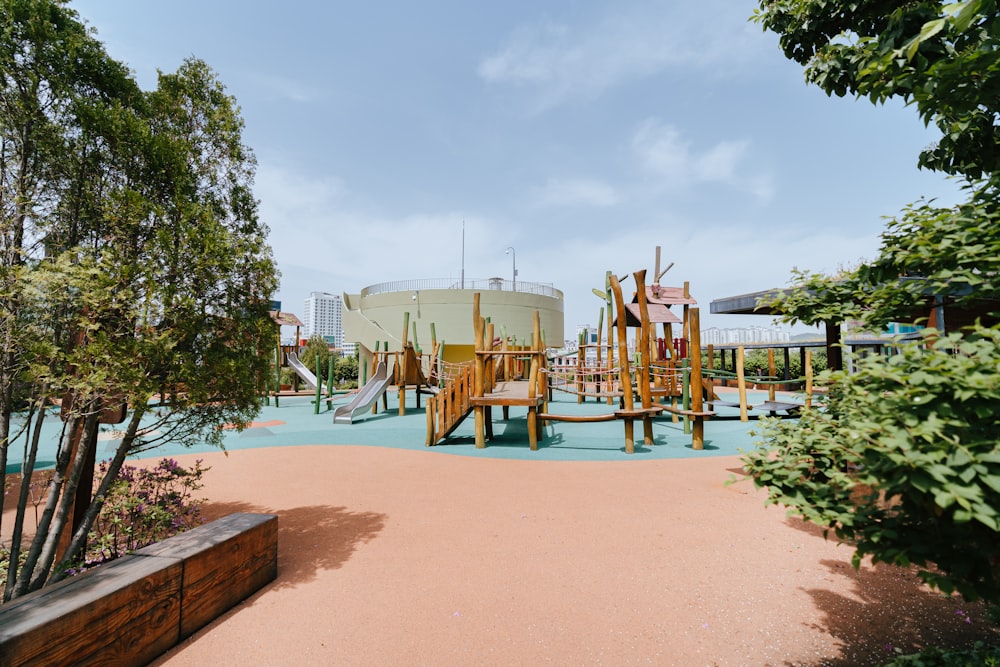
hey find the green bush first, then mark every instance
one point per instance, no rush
(980, 655)
(144, 506)
(902, 460)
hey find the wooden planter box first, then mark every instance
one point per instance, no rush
(131, 610)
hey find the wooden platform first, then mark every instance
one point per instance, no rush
(513, 393)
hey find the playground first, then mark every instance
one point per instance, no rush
(526, 513)
(392, 552)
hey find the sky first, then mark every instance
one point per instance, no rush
(582, 134)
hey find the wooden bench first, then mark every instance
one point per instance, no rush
(131, 610)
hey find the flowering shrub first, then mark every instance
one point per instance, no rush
(145, 505)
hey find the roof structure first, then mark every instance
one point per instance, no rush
(658, 302)
(285, 319)
(744, 304)
(658, 314)
(668, 296)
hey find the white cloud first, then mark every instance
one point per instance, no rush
(559, 62)
(664, 152)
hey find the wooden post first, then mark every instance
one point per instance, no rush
(478, 378)
(772, 372)
(686, 391)
(431, 411)
(624, 375)
(535, 371)
(643, 372)
(694, 351)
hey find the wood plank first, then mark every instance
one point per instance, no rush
(638, 413)
(126, 612)
(131, 610)
(225, 562)
(688, 413)
(581, 419)
(493, 399)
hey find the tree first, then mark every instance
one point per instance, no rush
(316, 348)
(940, 57)
(136, 269)
(346, 371)
(902, 460)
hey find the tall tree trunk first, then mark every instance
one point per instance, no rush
(51, 501)
(27, 471)
(64, 513)
(94, 508)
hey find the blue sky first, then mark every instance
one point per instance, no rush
(582, 134)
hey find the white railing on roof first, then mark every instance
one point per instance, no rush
(482, 285)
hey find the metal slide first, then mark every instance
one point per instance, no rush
(365, 398)
(303, 372)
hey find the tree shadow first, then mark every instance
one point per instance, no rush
(311, 538)
(890, 612)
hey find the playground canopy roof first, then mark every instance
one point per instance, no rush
(669, 296)
(658, 314)
(285, 319)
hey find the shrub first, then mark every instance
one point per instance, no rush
(145, 505)
(978, 655)
(902, 462)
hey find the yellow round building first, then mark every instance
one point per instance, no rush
(378, 313)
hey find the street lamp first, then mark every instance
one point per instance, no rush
(513, 261)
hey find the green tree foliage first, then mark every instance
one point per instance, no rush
(346, 371)
(941, 57)
(316, 348)
(133, 265)
(902, 460)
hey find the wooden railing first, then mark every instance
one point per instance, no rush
(450, 406)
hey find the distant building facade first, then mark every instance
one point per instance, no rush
(716, 336)
(323, 318)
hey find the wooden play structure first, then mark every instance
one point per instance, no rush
(659, 381)
(410, 368)
(653, 378)
(495, 378)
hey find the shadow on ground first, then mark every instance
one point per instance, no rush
(322, 537)
(890, 612)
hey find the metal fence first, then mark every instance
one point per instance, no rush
(481, 285)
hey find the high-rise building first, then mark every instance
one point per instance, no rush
(322, 318)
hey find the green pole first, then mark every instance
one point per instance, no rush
(441, 364)
(329, 376)
(277, 372)
(319, 385)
